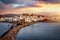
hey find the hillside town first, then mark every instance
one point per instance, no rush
(30, 18)
(23, 20)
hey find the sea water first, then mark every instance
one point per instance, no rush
(4, 27)
(40, 31)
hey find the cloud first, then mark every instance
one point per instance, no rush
(7, 1)
(18, 1)
(4, 4)
(9, 4)
(51, 1)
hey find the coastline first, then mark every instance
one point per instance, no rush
(11, 34)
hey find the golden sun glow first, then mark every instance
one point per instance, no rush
(49, 7)
(41, 7)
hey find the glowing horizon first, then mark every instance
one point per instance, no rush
(53, 8)
(39, 7)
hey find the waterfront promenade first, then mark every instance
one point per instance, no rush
(11, 34)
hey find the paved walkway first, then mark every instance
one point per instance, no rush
(11, 35)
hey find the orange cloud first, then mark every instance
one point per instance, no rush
(41, 7)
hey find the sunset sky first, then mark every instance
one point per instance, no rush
(29, 6)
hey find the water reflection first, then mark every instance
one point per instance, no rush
(40, 31)
(4, 27)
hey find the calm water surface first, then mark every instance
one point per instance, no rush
(4, 27)
(40, 31)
